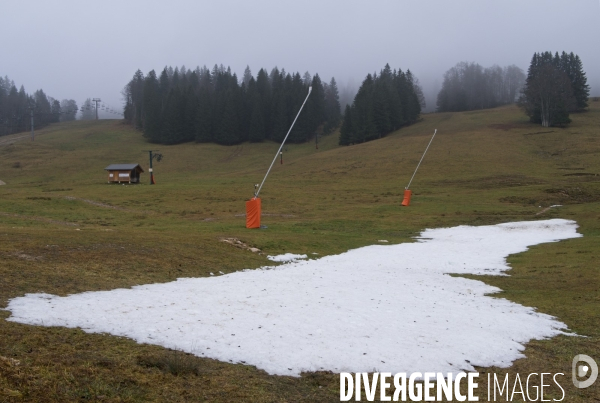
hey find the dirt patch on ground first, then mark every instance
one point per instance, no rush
(573, 195)
(2, 183)
(94, 203)
(526, 201)
(556, 196)
(48, 220)
(235, 153)
(268, 215)
(9, 362)
(11, 140)
(99, 204)
(21, 255)
(503, 126)
(546, 132)
(491, 182)
(57, 190)
(547, 209)
(239, 244)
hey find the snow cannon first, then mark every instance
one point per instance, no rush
(407, 192)
(253, 205)
(407, 195)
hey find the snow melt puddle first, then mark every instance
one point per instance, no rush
(386, 308)
(287, 257)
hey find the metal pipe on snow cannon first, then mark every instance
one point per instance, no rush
(253, 205)
(407, 191)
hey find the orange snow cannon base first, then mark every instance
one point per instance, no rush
(253, 213)
(407, 195)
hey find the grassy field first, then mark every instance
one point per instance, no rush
(63, 230)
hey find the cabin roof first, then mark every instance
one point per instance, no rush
(124, 167)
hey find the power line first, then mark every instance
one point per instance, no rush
(32, 115)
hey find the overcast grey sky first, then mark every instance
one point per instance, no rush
(85, 48)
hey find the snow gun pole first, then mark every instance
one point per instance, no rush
(407, 192)
(281, 146)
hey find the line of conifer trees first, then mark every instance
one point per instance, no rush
(556, 85)
(385, 102)
(15, 113)
(182, 105)
(469, 86)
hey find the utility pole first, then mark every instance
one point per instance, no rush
(158, 158)
(31, 105)
(96, 100)
(151, 173)
(32, 132)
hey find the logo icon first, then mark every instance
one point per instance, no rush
(579, 370)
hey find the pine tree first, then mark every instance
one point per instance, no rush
(383, 87)
(332, 107)
(383, 103)
(173, 125)
(363, 122)
(278, 115)
(306, 78)
(42, 108)
(226, 131)
(189, 117)
(257, 124)
(56, 110)
(263, 87)
(68, 108)
(346, 130)
(175, 78)
(164, 85)
(205, 78)
(151, 107)
(278, 119)
(548, 94)
(137, 90)
(318, 103)
(247, 76)
(395, 105)
(419, 92)
(571, 64)
(204, 117)
(413, 105)
(87, 112)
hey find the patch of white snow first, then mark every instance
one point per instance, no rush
(287, 257)
(391, 308)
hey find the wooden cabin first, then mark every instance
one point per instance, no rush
(124, 173)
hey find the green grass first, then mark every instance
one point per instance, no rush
(63, 229)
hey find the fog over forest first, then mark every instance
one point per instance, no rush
(79, 50)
